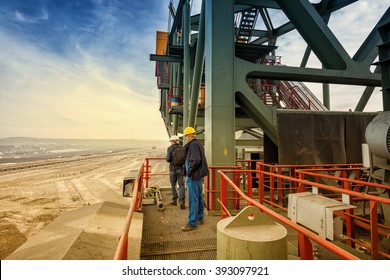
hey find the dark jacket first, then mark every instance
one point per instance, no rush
(169, 157)
(195, 157)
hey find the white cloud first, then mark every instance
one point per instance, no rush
(62, 97)
(20, 16)
(351, 26)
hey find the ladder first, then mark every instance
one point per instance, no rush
(247, 24)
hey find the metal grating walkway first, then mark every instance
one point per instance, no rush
(162, 238)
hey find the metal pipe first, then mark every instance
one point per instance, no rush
(326, 95)
(198, 70)
(186, 60)
(159, 200)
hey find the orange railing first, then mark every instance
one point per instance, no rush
(238, 184)
(136, 202)
(350, 189)
(292, 96)
(142, 181)
(272, 182)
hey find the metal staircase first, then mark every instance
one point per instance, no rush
(246, 25)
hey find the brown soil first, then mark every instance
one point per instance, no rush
(32, 197)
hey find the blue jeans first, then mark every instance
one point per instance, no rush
(177, 177)
(195, 201)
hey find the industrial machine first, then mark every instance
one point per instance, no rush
(378, 141)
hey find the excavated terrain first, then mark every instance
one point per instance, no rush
(32, 194)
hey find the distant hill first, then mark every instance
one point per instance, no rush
(14, 149)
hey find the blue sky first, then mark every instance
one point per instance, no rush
(81, 69)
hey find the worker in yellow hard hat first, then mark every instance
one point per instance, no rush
(196, 169)
(189, 130)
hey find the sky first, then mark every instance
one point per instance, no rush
(351, 27)
(81, 68)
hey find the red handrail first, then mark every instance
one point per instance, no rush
(136, 202)
(273, 180)
(141, 180)
(303, 234)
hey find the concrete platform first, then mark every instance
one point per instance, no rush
(89, 233)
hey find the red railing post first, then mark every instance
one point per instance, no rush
(349, 220)
(250, 186)
(207, 192)
(223, 192)
(236, 197)
(280, 186)
(271, 185)
(301, 186)
(213, 188)
(261, 184)
(374, 230)
(147, 171)
(305, 247)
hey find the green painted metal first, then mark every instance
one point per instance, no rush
(220, 104)
(353, 76)
(227, 74)
(166, 58)
(364, 98)
(186, 59)
(198, 70)
(384, 63)
(316, 33)
(174, 84)
(326, 95)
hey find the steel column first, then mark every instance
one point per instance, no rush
(187, 70)
(198, 70)
(220, 104)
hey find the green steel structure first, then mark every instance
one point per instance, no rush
(220, 73)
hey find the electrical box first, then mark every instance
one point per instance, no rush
(315, 212)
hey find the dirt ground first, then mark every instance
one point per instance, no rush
(32, 197)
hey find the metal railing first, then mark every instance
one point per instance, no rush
(304, 235)
(140, 183)
(136, 202)
(285, 94)
(272, 182)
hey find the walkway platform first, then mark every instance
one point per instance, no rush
(162, 238)
(92, 233)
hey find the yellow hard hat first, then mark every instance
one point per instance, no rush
(189, 130)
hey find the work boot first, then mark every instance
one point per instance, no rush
(182, 206)
(187, 228)
(174, 203)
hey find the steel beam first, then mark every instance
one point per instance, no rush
(198, 70)
(166, 58)
(220, 104)
(186, 66)
(351, 77)
(316, 33)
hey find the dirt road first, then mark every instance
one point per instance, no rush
(32, 197)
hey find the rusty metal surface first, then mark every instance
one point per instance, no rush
(162, 238)
(321, 137)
